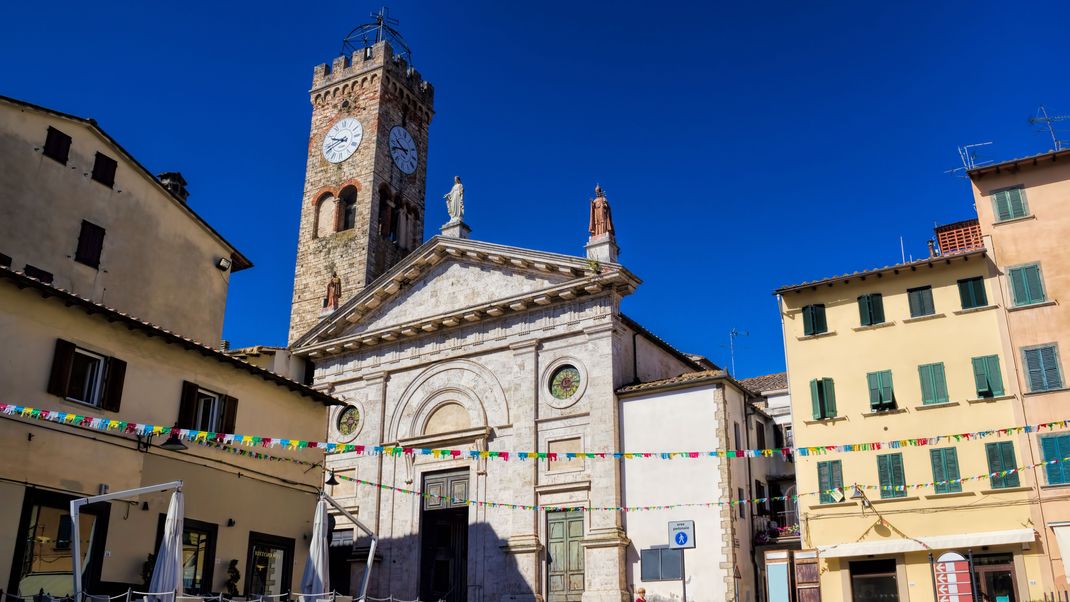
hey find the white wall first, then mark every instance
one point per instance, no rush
(682, 420)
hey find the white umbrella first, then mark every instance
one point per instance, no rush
(167, 576)
(316, 579)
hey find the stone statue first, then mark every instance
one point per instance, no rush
(601, 220)
(455, 200)
(231, 585)
(334, 291)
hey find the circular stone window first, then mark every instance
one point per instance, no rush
(565, 382)
(348, 422)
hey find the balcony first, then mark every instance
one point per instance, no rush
(769, 531)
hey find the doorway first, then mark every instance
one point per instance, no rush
(564, 555)
(874, 581)
(994, 575)
(444, 537)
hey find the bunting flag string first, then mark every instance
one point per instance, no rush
(137, 428)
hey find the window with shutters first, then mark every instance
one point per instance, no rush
(890, 474)
(987, 377)
(823, 398)
(1042, 371)
(871, 309)
(735, 433)
(86, 376)
(933, 383)
(1056, 448)
(104, 170)
(1027, 287)
(945, 463)
(761, 503)
(921, 301)
(1000, 459)
(881, 394)
(202, 409)
(1009, 204)
(57, 145)
(90, 244)
(759, 434)
(830, 478)
(814, 320)
(972, 292)
(209, 411)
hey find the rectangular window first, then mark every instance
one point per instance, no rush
(104, 170)
(203, 410)
(1042, 368)
(759, 434)
(945, 470)
(661, 564)
(741, 499)
(871, 309)
(90, 244)
(972, 292)
(1009, 204)
(1055, 449)
(921, 301)
(57, 145)
(198, 553)
(38, 274)
(814, 320)
(933, 383)
(761, 508)
(987, 376)
(823, 398)
(830, 478)
(881, 395)
(890, 473)
(1000, 458)
(86, 376)
(1027, 287)
(735, 433)
(209, 411)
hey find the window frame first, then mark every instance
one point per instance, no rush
(1061, 444)
(1014, 288)
(86, 254)
(880, 404)
(1058, 367)
(102, 165)
(888, 459)
(814, 323)
(64, 140)
(217, 410)
(972, 292)
(871, 309)
(823, 406)
(937, 381)
(833, 480)
(948, 471)
(1021, 198)
(1002, 448)
(927, 296)
(96, 395)
(988, 361)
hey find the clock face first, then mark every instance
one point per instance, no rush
(403, 149)
(342, 140)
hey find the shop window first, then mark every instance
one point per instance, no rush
(269, 565)
(198, 553)
(874, 581)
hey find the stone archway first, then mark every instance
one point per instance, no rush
(461, 382)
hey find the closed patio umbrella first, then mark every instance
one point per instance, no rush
(167, 576)
(316, 579)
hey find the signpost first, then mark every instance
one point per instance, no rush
(952, 578)
(682, 537)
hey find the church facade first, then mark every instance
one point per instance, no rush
(461, 344)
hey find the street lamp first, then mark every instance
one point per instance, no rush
(173, 443)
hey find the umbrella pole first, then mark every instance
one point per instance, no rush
(371, 550)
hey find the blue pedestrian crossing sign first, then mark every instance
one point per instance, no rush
(681, 534)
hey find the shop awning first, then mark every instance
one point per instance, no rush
(936, 542)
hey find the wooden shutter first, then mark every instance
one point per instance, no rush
(1001, 202)
(874, 382)
(884, 475)
(1019, 288)
(980, 377)
(995, 378)
(1034, 284)
(876, 308)
(1015, 203)
(808, 320)
(815, 398)
(62, 360)
(836, 474)
(1007, 454)
(1034, 367)
(864, 311)
(820, 325)
(979, 296)
(951, 469)
(807, 576)
(90, 244)
(824, 481)
(887, 395)
(939, 380)
(925, 375)
(187, 407)
(896, 468)
(828, 391)
(1050, 361)
(230, 413)
(1049, 446)
(927, 302)
(936, 456)
(113, 384)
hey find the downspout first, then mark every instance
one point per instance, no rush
(747, 412)
(635, 358)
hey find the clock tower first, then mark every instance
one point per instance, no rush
(363, 205)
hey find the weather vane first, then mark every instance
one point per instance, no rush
(379, 30)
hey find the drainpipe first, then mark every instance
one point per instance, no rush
(747, 412)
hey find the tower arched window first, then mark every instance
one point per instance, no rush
(347, 208)
(388, 215)
(324, 223)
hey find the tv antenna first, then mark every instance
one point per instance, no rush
(968, 157)
(732, 334)
(1048, 122)
(381, 29)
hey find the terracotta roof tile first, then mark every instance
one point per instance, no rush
(769, 382)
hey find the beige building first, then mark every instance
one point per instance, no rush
(910, 351)
(89, 241)
(1022, 214)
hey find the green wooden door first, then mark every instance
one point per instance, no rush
(565, 555)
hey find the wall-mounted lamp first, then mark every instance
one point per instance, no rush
(144, 506)
(858, 494)
(231, 522)
(223, 264)
(332, 480)
(173, 443)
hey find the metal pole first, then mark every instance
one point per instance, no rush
(932, 571)
(683, 575)
(973, 585)
(371, 549)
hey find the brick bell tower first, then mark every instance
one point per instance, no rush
(363, 205)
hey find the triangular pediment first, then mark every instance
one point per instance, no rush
(450, 281)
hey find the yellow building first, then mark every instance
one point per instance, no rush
(1021, 208)
(90, 240)
(904, 352)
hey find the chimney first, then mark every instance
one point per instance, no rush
(175, 184)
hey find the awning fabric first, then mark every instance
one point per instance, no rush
(1062, 536)
(936, 542)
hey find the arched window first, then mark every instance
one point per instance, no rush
(347, 208)
(387, 219)
(325, 207)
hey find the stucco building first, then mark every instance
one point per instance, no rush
(97, 258)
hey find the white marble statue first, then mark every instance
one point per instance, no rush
(455, 200)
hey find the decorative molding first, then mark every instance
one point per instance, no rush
(584, 485)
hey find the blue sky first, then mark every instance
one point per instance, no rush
(742, 146)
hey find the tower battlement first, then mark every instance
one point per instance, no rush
(374, 57)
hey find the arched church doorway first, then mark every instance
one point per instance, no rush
(444, 537)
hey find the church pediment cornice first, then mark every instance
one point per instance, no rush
(584, 278)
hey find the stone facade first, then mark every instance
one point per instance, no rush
(381, 91)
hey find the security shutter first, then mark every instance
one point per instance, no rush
(113, 384)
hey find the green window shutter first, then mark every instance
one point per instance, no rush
(1015, 203)
(939, 383)
(815, 398)
(972, 293)
(921, 302)
(914, 298)
(883, 475)
(1034, 368)
(925, 376)
(936, 457)
(824, 482)
(1033, 283)
(1049, 446)
(1000, 458)
(828, 390)
(1019, 288)
(864, 315)
(876, 308)
(995, 378)
(1049, 360)
(886, 394)
(873, 379)
(965, 295)
(951, 467)
(981, 378)
(1001, 205)
(1007, 454)
(979, 292)
(897, 472)
(837, 474)
(927, 302)
(808, 320)
(820, 325)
